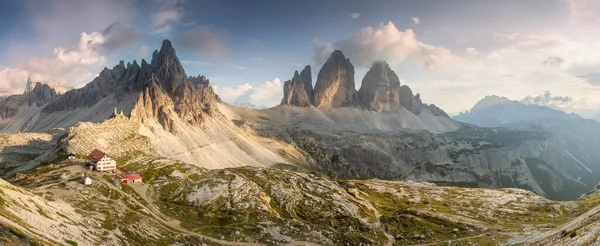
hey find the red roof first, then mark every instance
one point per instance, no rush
(133, 176)
(96, 155)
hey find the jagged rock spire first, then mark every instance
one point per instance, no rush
(298, 91)
(335, 83)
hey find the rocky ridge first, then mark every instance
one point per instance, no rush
(380, 90)
(298, 91)
(56, 85)
(40, 95)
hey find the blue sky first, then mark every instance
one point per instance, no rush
(452, 52)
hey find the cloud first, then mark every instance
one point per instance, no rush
(12, 80)
(118, 37)
(203, 40)
(546, 99)
(564, 103)
(169, 13)
(385, 43)
(592, 78)
(258, 59)
(268, 93)
(143, 52)
(536, 41)
(416, 20)
(355, 15)
(472, 51)
(554, 61)
(73, 66)
(321, 51)
(199, 63)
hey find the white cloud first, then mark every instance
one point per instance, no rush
(385, 43)
(73, 66)
(199, 63)
(204, 40)
(355, 15)
(564, 103)
(416, 20)
(472, 51)
(12, 80)
(268, 93)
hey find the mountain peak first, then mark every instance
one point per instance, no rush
(337, 54)
(489, 101)
(166, 46)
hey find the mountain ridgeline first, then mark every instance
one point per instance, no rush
(380, 91)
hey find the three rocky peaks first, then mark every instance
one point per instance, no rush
(380, 91)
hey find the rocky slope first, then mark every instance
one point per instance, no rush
(180, 204)
(345, 146)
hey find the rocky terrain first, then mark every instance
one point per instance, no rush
(470, 156)
(56, 85)
(380, 90)
(183, 204)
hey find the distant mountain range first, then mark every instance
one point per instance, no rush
(494, 111)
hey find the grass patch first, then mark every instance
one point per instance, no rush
(71, 242)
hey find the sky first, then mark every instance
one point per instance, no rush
(453, 53)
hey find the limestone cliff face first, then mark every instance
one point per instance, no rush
(199, 80)
(380, 89)
(56, 85)
(298, 91)
(410, 102)
(39, 95)
(335, 83)
(170, 94)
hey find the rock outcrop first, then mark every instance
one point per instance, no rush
(335, 83)
(380, 89)
(56, 85)
(170, 94)
(199, 80)
(38, 96)
(410, 102)
(41, 94)
(298, 91)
